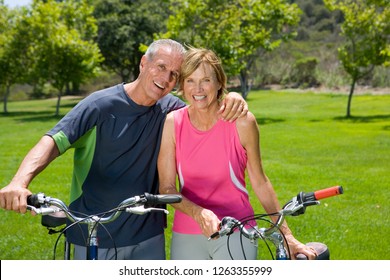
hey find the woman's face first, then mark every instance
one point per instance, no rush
(201, 87)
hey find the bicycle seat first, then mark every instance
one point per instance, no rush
(321, 249)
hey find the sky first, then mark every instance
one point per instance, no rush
(14, 3)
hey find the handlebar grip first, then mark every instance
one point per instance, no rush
(163, 198)
(320, 194)
(336, 190)
(33, 200)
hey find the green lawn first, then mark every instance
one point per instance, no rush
(306, 145)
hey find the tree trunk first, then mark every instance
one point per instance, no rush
(7, 91)
(58, 103)
(350, 98)
(244, 84)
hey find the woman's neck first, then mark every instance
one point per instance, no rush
(203, 119)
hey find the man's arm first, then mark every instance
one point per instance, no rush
(14, 195)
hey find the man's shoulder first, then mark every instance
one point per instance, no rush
(109, 91)
(171, 102)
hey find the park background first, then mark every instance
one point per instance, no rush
(315, 76)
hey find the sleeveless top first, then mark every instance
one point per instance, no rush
(211, 169)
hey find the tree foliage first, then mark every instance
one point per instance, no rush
(123, 27)
(366, 30)
(13, 48)
(236, 30)
(46, 46)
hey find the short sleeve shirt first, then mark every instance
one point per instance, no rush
(116, 144)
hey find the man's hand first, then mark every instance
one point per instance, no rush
(233, 107)
(14, 198)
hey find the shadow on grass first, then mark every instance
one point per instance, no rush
(33, 116)
(363, 119)
(265, 121)
(39, 116)
(366, 119)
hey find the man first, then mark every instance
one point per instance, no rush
(116, 134)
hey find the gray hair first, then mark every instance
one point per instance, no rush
(156, 45)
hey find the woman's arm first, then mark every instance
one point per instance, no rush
(250, 139)
(166, 164)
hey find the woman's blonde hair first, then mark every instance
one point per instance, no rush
(193, 58)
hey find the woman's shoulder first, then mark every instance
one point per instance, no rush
(176, 114)
(246, 121)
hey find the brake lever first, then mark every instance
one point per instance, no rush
(43, 210)
(141, 210)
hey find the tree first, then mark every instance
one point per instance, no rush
(366, 30)
(13, 50)
(62, 55)
(238, 31)
(123, 27)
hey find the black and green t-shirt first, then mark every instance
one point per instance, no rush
(116, 146)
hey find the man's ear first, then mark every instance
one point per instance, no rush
(142, 63)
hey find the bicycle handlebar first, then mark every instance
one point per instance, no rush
(41, 204)
(294, 207)
(153, 199)
(139, 205)
(320, 194)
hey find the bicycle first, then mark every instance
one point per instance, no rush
(56, 213)
(296, 206)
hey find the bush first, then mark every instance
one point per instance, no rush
(303, 73)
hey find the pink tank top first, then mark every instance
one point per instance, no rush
(211, 169)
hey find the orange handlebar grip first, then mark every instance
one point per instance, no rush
(332, 191)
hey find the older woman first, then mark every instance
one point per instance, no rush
(210, 157)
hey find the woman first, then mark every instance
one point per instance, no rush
(210, 157)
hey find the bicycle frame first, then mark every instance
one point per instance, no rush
(294, 207)
(44, 205)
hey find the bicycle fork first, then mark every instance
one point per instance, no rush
(92, 248)
(277, 239)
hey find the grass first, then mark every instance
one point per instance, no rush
(306, 144)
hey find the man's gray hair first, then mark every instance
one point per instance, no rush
(156, 45)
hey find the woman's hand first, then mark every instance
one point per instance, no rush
(208, 221)
(297, 247)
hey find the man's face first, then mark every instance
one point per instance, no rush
(160, 75)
